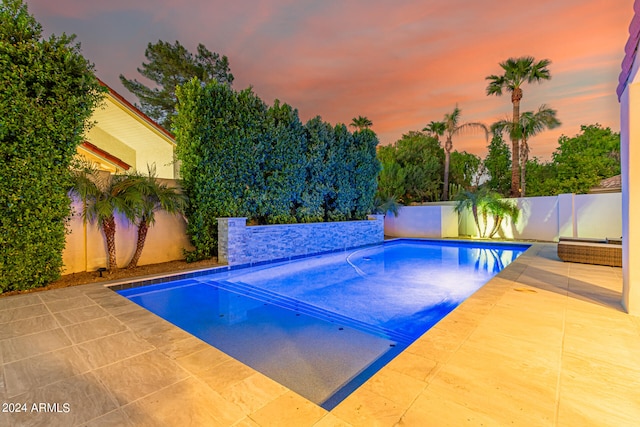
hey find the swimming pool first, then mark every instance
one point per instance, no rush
(323, 325)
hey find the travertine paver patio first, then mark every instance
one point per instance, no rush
(543, 343)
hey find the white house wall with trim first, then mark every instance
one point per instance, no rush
(123, 132)
(630, 157)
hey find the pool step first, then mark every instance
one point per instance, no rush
(309, 309)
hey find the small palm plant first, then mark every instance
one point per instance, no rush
(155, 196)
(483, 203)
(385, 204)
(103, 195)
(501, 209)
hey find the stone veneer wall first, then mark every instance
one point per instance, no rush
(239, 244)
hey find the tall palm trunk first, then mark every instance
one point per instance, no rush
(516, 96)
(109, 227)
(524, 154)
(447, 157)
(143, 227)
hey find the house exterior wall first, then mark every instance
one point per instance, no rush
(103, 140)
(630, 157)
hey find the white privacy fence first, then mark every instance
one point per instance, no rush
(541, 218)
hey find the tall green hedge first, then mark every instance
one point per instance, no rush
(47, 92)
(242, 158)
(283, 166)
(217, 130)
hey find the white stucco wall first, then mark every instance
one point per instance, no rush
(598, 215)
(86, 249)
(434, 221)
(541, 218)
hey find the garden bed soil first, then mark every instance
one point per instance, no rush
(120, 274)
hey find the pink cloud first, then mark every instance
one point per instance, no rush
(400, 64)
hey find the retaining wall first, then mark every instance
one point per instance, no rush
(242, 244)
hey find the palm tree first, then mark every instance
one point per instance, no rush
(483, 203)
(452, 127)
(530, 124)
(435, 129)
(501, 209)
(102, 195)
(517, 71)
(471, 200)
(361, 123)
(155, 196)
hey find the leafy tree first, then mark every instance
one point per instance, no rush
(498, 165)
(155, 196)
(361, 123)
(453, 127)
(391, 180)
(48, 93)
(170, 65)
(465, 169)
(421, 158)
(103, 196)
(541, 178)
(517, 71)
(530, 124)
(578, 164)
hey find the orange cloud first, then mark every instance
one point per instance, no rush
(401, 64)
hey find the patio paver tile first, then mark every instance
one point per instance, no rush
(31, 325)
(366, 408)
(598, 393)
(17, 348)
(83, 394)
(116, 418)
(93, 329)
(66, 304)
(289, 409)
(146, 373)
(253, 392)
(78, 315)
(28, 374)
(113, 348)
(198, 405)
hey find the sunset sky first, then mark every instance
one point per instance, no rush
(400, 63)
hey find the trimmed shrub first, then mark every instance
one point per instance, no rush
(240, 158)
(48, 92)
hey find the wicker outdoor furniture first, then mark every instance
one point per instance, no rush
(591, 251)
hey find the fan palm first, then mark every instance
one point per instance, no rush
(483, 203)
(103, 195)
(361, 123)
(517, 71)
(453, 127)
(530, 124)
(435, 129)
(155, 196)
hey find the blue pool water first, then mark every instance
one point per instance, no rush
(323, 325)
